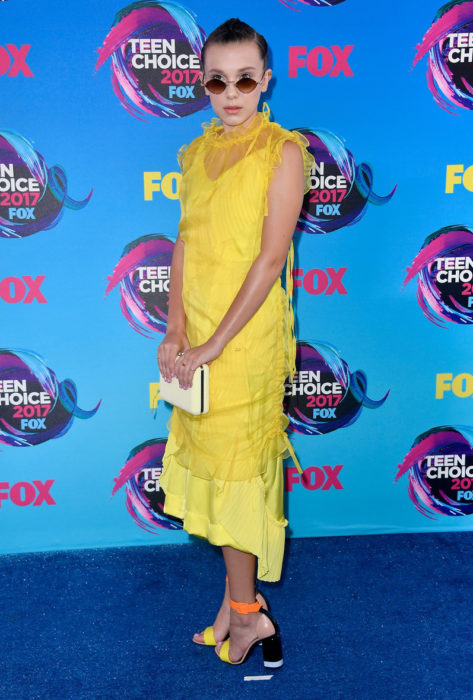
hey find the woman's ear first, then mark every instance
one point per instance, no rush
(267, 77)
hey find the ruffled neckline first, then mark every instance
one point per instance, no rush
(214, 132)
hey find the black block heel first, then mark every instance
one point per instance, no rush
(272, 647)
(272, 651)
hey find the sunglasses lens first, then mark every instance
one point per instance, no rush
(215, 85)
(246, 84)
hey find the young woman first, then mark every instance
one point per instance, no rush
(243, 184)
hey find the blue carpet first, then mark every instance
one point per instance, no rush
(371, 617)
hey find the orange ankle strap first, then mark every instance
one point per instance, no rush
(245, 608)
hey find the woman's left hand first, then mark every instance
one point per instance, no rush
(187, 363)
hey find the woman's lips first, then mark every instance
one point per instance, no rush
(232, 110)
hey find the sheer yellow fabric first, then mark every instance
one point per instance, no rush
(223, 470)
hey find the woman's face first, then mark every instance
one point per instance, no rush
(230, 62)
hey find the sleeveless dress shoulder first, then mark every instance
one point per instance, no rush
(223, 471)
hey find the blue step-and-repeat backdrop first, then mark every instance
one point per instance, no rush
(97, 97)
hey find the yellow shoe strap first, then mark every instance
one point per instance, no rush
(209, 637)
(224, 652)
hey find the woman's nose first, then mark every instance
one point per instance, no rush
(231, 91)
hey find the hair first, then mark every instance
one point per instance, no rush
(235, 30)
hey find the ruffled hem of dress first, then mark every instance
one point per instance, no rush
(233, 514)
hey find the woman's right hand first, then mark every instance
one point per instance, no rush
(172, 343)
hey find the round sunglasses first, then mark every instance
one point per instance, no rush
(217, 85)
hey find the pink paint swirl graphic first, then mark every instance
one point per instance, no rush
(340, 190)
(324, 394)
(143, 274)
(293, 4)
(444, 267)
(450, 60)
(34, 405)
(155, 50)
(144, 495)
(33, 195)
(439, 466)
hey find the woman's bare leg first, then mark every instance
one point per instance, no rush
(241, 578)
(244, 584)
(241, 586)
(241, 574)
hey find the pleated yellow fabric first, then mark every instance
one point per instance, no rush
(223, 471)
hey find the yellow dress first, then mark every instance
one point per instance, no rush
(223, 471)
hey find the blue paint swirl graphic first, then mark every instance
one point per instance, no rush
(325, 395)
(444, 269)
(34, 405)
(449, 63)
(340, 190)
(144, 495)
(143, 275)
(33, 196)
(439, 466)
(155, 50)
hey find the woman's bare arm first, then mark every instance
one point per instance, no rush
(175, 339)
(176, 313)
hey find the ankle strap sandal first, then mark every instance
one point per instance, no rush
(208, 633)
(271, 645)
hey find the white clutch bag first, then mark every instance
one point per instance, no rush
(194, 400)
